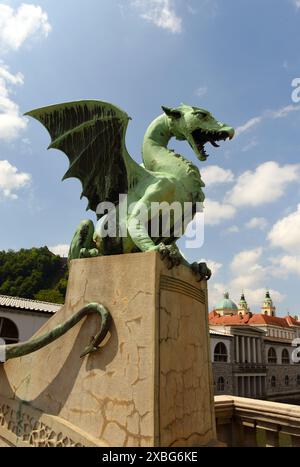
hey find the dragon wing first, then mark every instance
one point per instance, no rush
(92, 134)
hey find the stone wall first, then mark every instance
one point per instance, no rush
(280, 372)
(150, 383)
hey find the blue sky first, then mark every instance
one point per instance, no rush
(236, 58)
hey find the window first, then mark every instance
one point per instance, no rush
(285, 357)
(286, 380)
(221, 384)
(273, 382)
(298, 380)
(220, 353)
(272, 358)
(8, 331)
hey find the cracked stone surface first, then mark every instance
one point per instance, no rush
(150, 382)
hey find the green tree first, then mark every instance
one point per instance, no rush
(33, 273)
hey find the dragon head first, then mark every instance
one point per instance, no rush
(198, 127)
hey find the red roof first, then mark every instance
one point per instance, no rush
(249, 318)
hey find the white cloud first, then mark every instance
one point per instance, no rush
(296, 3)
(11, 180)
(285, 111)
(286, 232)
(233, 229)
(213, 174)
(248, 125)
(252, 144)
(215, 212)
(257, 223)
(215, 292)
(254, 277)
(161, 13)
(201, 91)
(246, 269)
(256, 297)
(61, 250)
(264, 185)
(248, 275)
(268, 114)
(286, 265)
(11, 120)
(16, 26)
(245, 260)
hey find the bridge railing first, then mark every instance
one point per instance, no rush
(243, 422)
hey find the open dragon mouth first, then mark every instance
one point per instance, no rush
(202, 137)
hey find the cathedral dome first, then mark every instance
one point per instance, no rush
(226, 306)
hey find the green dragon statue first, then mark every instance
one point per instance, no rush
(92, 135)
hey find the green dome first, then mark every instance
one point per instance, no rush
(226, 304)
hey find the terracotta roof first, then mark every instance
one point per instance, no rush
(30, 305)
(227, 320)
(292, 321)
(249, 318)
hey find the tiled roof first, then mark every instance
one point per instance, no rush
(30, 305)
(266, 319)
(249, 318)
(292, 321)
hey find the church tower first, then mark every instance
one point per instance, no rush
(243, 305)
(267, 307)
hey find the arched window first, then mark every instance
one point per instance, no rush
(8, 331)
(220, 353)
(286, 380)
(273, 382)
(221, 384)
(272, 358)
(298, 380)
(285, 357)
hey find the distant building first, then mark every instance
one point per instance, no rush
(20, 318)
(252, 353)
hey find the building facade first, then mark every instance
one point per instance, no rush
(252, 354)
(21, 318)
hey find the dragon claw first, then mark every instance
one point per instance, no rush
(169, 253)
(202, 271)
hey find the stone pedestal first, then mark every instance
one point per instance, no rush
(149, 384)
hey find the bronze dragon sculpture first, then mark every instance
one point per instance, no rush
(92, 135)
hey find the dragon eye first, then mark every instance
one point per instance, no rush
(200, 114)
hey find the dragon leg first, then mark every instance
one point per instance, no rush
(18, 350)
(174, 257)
(83, 245)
